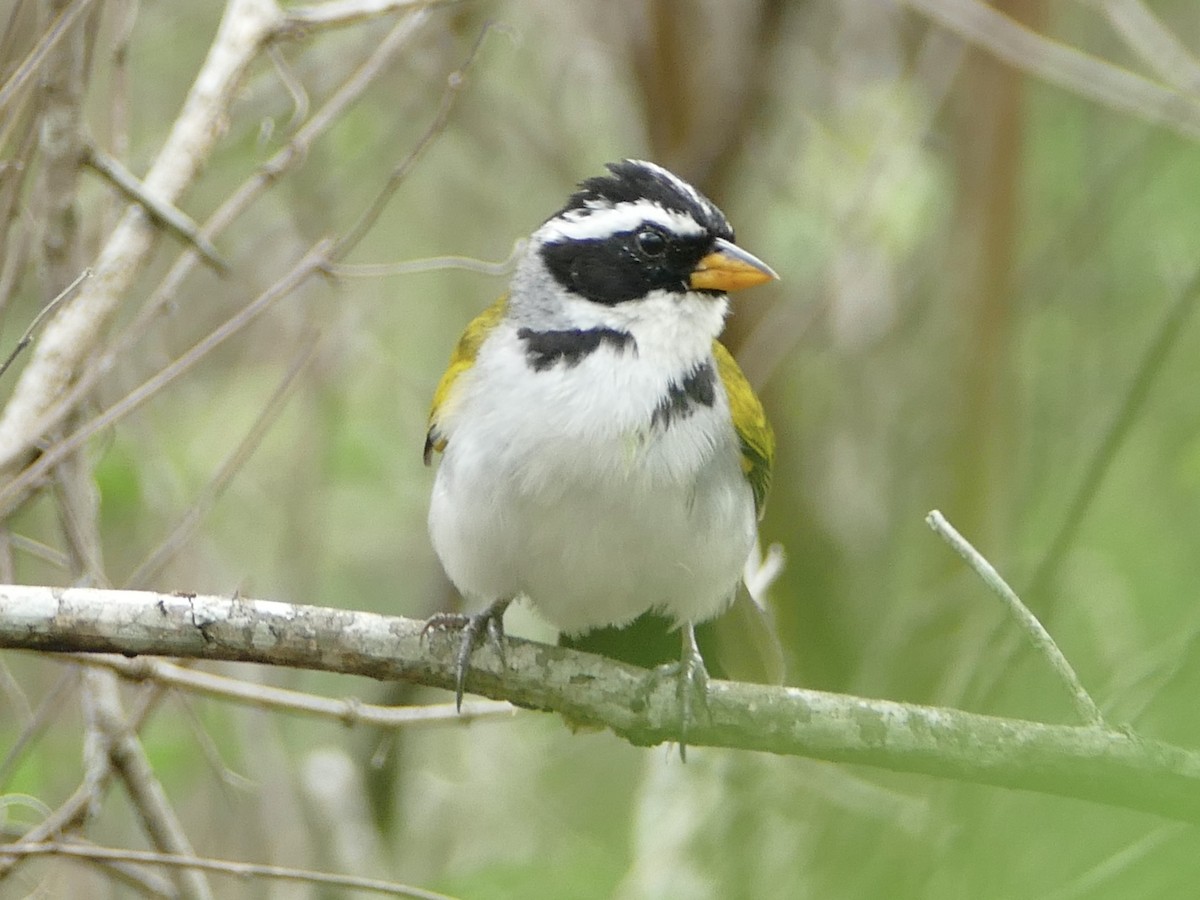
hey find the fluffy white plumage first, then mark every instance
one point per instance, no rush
(560, 485)
(573, 499)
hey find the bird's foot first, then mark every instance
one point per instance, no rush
(692, 686)
(470, 629)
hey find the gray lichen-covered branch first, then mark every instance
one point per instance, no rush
(1089, 762)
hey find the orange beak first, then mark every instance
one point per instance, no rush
(729, 268)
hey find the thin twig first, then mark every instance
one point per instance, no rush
(61, 86)
(14, 253)
(430, 264)
(349, 711)
(221, 866)
(1084, 704)
(141, 881)
(1149, 366)
(455, 83)
(224, 773)
(76, 808)
(293, 85)
(7, 569)
(14, 171)
(52, 556)
(124, 14)
(14, 493)
(1065, 66)
(339, 13)
(183, 529)
(52, 704)
(71, 340)
(288, 158)
(1156, 44)
(170, 217)
(77, 502)
(46, 311)
(1098, 880)
(128, 759)
(47, 42)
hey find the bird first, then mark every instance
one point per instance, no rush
(602, 453)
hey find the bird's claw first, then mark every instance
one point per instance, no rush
(693, 692)
(470, 629)
(691, 679)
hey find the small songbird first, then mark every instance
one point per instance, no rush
(602, 453)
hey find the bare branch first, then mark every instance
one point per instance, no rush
(187, 524)
(138, 878)
(430, 264)
(73, 334)
(51, 556)
(51, 705)
(225, 867)
(1088, 762)
(168, 216)
(1028, 622)
(37, 56)
(292, 84)
(129, 760)
(47, 310)
(1158, 47)
(1065, 66)
(455, 82)
(60, 114)
(78, 807)
(348, 711)
(268, 174)
(13, 493)
(1125, 415)
(339, 13)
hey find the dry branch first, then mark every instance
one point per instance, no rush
(349, 711)
(128, 759)
(74, 332)
(1065, 66)
(91, 852)
(1091, 762)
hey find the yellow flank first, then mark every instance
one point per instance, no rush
(750, 421)
(461, 360)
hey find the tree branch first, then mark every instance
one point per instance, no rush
(1067, 67)
(268, 174)
(168, 216)
(339, 13)
(128, 760)
(80, 850)
(1089, 762)
(71, 336)
(1038, 636)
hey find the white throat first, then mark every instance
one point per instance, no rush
(672, 329)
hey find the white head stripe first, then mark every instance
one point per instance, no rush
(585, 224)
(674, 179)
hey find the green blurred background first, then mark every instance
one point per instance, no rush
(975, 266)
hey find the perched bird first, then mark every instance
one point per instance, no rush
(602, 453)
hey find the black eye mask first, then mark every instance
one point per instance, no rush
(627, 265)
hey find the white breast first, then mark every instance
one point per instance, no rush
(555, 485)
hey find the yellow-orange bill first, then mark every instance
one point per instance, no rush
(729, 268)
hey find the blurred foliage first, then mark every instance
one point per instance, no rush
(974, 265)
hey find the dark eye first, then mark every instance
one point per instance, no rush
(651, 242)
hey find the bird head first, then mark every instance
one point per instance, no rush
(633, 246)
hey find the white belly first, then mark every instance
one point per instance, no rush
(585, 508)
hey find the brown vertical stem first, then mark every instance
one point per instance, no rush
(992, 137)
